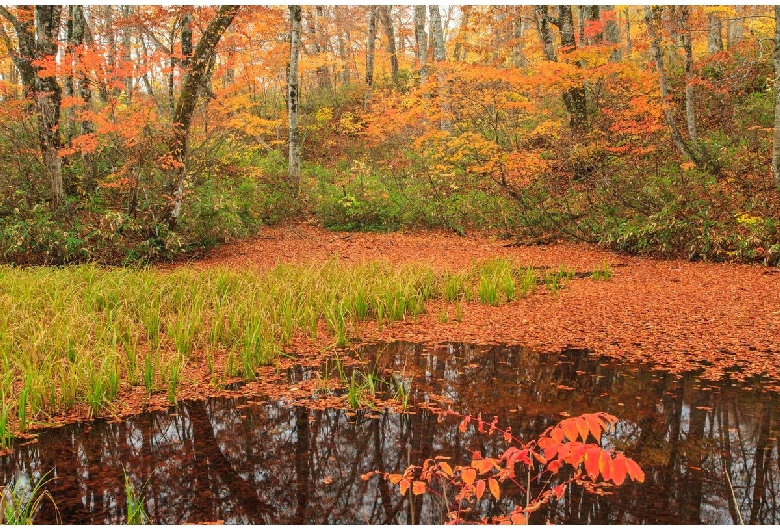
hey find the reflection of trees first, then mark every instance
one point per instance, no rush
(275, 463)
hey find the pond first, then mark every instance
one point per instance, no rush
(709, 449)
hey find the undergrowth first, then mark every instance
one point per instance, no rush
(76, 336)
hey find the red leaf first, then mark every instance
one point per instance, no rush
(634, 471)
(465, 424)
(605, 465)
(517, 518)
(494, 488)
(557, 435)
(592, 457)
(480, 489)
(395, 478)
(619, 470)
(554, 466)
(570, 429)
(559, 490)
(418, 488)
(582, 427)
(594, 424)
(577, 454)
(469, 475)
(404, 485)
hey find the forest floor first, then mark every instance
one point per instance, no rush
(674, 314)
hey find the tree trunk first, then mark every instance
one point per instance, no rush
(127, 12)
(628, 32)
(735, 27)
(440, 56)
(776, 137)
(612, 33)
(422, 42)
(48, 97)
(518, 32)
(542, 18)
(111, 58)
(294, 172)
(37, 30)
(574, 98)
(70, 56)
(195, 77)
(370, 47)
(387, 22)
(690, 100)
(651, 14)
(714, 36)
(459, 51)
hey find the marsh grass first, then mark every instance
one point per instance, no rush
(603, 272)
(73, 336)
(20, 501)
(5, 432)
(557, 279)
(136, 514)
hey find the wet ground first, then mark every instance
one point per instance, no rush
(709, 449)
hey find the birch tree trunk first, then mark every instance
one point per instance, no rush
(422, 42)
(127, 12)
(690, 100)
(542, 18)
(715, 34)
(440, 57)
(612, 34)
(294, 155)
(370, 48)
(48, 96)
(776, 137)
(195, 78)
(37, 31)
(650, 15)
(518, 32)
(387, 22)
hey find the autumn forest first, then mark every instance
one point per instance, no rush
(140, 133)
(379, 264)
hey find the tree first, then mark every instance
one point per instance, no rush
(370, 46)
(422, 42)
(197, 72)
(574, 98)
(776, 137)
(37, 32)
(652, 15)
(440, 56)
(294, 158)
(387, 22)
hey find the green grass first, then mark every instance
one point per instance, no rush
(19, 502)
(603, 272)
(73, 336)
(136, 514)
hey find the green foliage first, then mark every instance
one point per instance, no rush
(603, 272)
(20, 501)
(136, 513)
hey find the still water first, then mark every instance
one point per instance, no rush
(709, 449)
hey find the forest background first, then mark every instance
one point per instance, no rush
(145, 133)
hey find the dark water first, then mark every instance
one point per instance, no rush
(709, 450)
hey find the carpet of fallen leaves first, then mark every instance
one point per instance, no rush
(674, 315)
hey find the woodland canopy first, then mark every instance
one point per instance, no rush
(140, 133)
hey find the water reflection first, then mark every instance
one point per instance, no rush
(710, 451)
